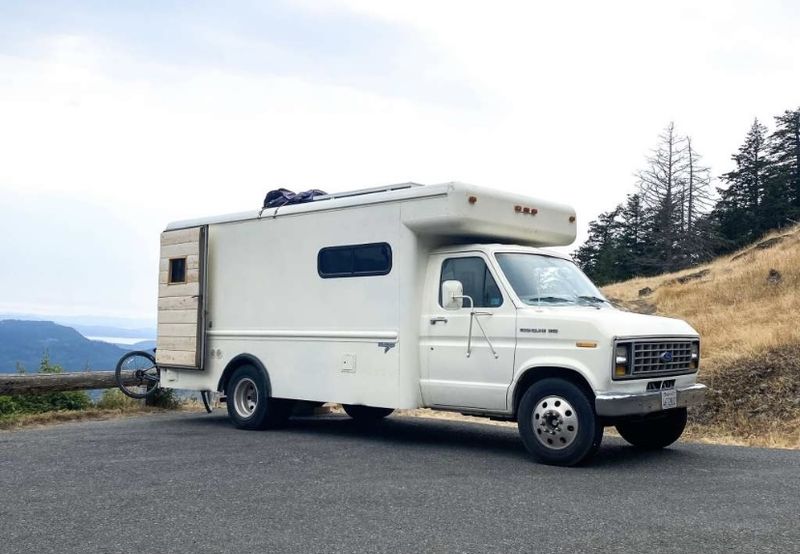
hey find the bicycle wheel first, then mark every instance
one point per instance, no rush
(137, 374)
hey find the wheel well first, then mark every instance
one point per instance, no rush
(236, 363)
(536, 374)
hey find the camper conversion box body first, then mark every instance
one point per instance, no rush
(405, 297)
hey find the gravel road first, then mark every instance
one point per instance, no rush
(190, 482)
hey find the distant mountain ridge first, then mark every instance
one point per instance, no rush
(26, 342)
(94, 326)
(108, 331)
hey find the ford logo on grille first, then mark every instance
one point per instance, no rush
(666, 357)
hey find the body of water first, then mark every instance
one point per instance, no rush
(120, 340)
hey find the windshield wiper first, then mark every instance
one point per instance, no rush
(592, 299)
(547, 299)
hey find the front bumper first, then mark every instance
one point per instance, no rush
(614, 405)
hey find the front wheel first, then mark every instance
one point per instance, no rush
(137, 374)
(366, 413)
(557, 423)
(656, 431)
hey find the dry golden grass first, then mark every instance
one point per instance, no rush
(735, 307)
(746, 308)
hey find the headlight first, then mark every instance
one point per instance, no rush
(621, 359)
(694, 361)
(622, 355)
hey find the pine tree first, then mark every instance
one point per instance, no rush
(785, 153)
(599, 255)
(739, 212)
(633, 236)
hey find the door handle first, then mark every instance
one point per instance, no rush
(435, 320)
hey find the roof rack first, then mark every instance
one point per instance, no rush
(374, 190)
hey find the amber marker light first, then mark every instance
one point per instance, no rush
(586, 344)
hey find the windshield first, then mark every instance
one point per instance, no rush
(541, 280)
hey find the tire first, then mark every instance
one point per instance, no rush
(557, 423)
(144, 369)
(249, 404)
(654, 432)
(366, 414)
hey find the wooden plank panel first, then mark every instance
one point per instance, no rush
(192, 262)
(176, 357)
(179, 250)
(180, 236)
(177, 316)
(178, 303)
(177, 329)
(192, 276)
(189, 289)
(185, 344)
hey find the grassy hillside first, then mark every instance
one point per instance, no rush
(746, 308)
(26, 342)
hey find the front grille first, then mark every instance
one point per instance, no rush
(660, 385)
(661, 358)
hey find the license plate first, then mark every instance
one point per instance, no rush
(669, 399)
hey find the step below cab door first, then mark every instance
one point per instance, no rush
(452, 376)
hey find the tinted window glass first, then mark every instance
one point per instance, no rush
(358, 260)
(372, 259)
(475, 277)
(177, 270)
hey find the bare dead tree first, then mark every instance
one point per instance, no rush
(662, 190)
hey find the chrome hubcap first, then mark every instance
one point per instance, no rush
(245, 397)
(555, 422)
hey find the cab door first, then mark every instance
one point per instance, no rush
(451, 377)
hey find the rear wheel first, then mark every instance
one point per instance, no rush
(137, 374)
(654, 432)
(249, 403)
(366, 413)
(557, 423)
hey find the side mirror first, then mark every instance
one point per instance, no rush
(452, 295)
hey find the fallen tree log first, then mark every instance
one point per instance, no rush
(57, 382)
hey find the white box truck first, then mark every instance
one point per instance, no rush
(416, 296)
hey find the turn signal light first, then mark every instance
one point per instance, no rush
(620, 371)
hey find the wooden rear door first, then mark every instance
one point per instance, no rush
(181, 298)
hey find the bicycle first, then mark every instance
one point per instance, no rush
(146, 376)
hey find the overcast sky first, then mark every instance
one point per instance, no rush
(118, 117)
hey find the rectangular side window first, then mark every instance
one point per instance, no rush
(357, 260)
(475, 277)
(177, 270)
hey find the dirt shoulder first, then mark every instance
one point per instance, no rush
(706, 434)
(27, 421)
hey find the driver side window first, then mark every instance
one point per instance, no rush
(475, 277)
